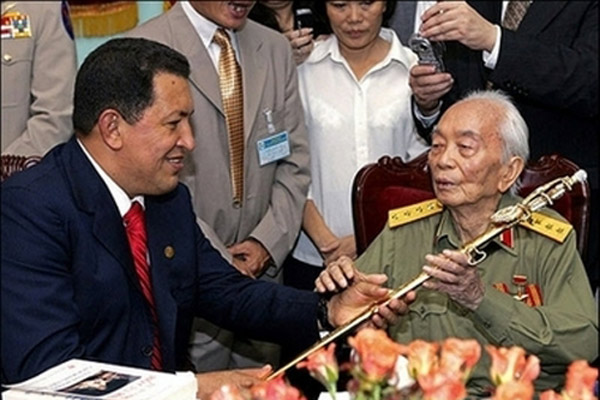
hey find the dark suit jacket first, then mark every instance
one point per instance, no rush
(550, 68)
(69, 288)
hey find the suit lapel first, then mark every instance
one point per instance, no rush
(203, 74)
(159, 239)
(96, 200)
(254, 74)
(540, 14)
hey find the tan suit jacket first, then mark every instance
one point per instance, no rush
(274, 194)
(38, 76)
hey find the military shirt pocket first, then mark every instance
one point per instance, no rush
(17, 59)
(429, 303)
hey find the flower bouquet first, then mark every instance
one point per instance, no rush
(427, 371)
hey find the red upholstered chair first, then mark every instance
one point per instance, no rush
(12, 164)
(390, 183)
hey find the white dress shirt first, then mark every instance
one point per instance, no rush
(351, 123)
(121, 198)
(206, 29)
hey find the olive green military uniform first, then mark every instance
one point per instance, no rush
(39, 64)
(562, 329)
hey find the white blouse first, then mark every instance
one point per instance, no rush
(351, 123)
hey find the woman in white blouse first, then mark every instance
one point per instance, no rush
(356, 97)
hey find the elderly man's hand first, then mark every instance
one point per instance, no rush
(455, 277)
(360, 292)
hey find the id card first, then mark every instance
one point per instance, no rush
(273, 148)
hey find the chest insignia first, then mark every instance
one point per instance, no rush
(15, 25)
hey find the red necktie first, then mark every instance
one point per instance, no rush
(135, 226)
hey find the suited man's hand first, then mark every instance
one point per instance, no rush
(456, 20)
(429, 86)
(361, 295)
(249, 257)
(209, 382)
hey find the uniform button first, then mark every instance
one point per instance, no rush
(147, 350)
(237, 204)
(422, 309)
(7, 58)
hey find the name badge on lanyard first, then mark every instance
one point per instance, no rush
(274, 147)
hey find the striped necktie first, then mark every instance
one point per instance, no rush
(135, 227)
(515, 11)
(230, 77)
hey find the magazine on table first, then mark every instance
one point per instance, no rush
(89, 380)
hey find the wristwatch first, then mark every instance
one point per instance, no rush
(323, 314)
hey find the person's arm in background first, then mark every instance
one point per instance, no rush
(54, 65)
(330, 246)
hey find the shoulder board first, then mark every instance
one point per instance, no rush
(415, 212)
(548, 226)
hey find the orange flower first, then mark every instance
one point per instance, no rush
(550, 395)
(377, 353)
(422, 357)
(276, 389)
(442, 385)
(580, 381)
(323, 366)
(514, 390)
(459, 356)
(510, 364)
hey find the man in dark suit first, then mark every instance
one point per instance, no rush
(548, 63)
(70, 285)
(261, 228)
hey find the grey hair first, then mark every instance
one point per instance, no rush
(512, 129)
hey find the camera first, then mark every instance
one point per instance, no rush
(429, 53)
(304, 18)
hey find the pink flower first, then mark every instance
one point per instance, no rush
(377, 353)
(276, 389)
(510, 364)
(442, 385)
(323, 366)
(550, 395)
(514, 390)
(459, 356)
(580, 381)
(227, 392)
(422, 357)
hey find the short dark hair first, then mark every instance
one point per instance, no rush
(119, 74)
(320, 10)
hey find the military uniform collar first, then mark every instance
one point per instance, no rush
(446, 229)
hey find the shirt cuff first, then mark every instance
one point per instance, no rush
(426, 120)
(490, 59)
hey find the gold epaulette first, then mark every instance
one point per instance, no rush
(414, 212)
(548, 226)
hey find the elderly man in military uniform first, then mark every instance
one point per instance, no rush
(531, 290)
